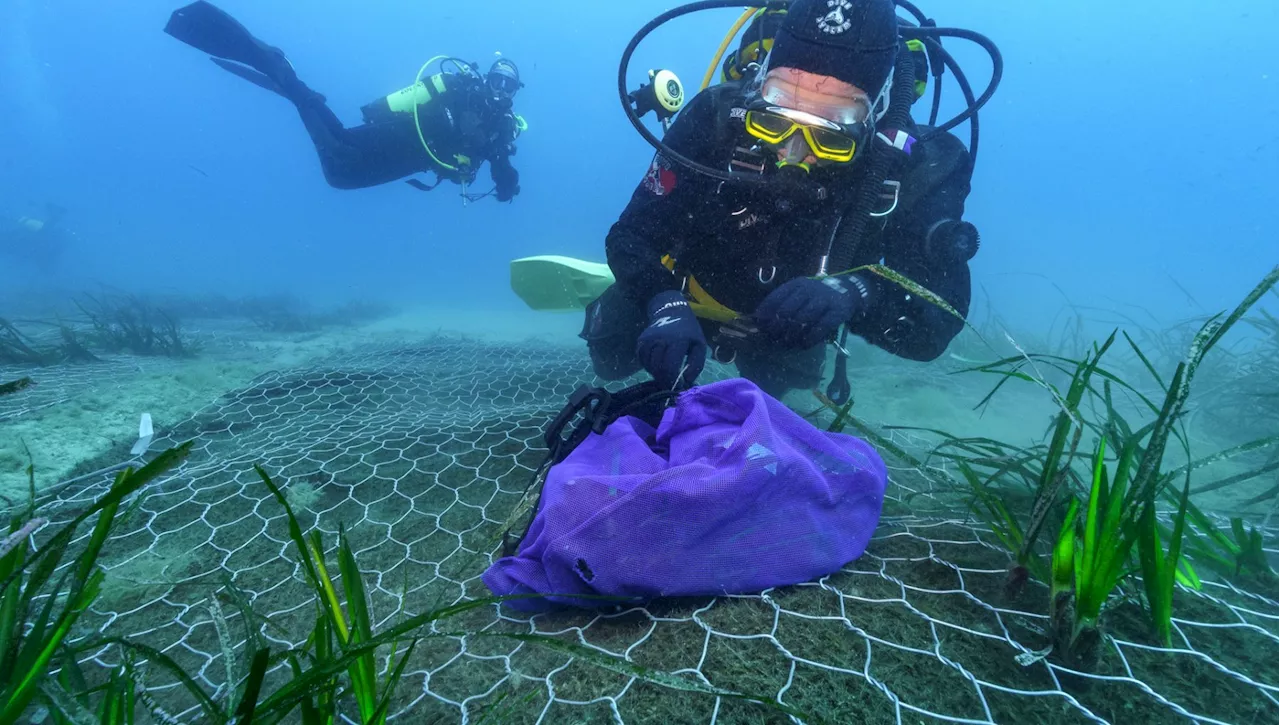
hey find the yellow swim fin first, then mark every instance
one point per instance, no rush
(551, 283)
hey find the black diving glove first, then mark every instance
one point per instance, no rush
(507, 180)
(806, 311)
(673, 336)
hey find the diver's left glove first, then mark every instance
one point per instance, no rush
(507, 181)
(672, 342)
(806, 311)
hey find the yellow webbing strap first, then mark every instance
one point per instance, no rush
(702, 303)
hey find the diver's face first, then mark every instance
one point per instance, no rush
(795, 151)
(503, 86)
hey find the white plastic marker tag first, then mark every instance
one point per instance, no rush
(1026, 659)
(145, 434)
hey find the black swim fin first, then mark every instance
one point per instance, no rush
(204, 27)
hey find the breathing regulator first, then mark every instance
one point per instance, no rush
(663, 95)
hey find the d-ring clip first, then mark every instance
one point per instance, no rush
(897, 191)
(715, 354)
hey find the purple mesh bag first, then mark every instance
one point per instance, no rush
(732, 493)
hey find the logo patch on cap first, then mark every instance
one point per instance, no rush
(835, 22)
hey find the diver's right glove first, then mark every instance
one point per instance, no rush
(803, 312)
(673, 337)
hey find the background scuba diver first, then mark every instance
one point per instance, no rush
(449, 123)
(35, 242)
(805, 120)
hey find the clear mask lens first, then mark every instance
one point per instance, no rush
(845, 111)
(784, 128)
(503, 85)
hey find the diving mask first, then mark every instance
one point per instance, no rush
(503, 79)
(827, 140)
(832, 126)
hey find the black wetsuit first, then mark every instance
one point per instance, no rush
(463, 120)
(739, 247)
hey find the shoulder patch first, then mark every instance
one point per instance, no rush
(660, 180)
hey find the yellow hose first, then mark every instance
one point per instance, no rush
(418, 125)
(724, 45)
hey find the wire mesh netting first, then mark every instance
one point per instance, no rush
(71, 380)
(106, 373)
(421, 452)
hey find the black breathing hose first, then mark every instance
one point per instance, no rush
(997, 69)
(966, 90)
(897, 116)
(929, 36)
(937, 99)
(914, 11)
(935, 63)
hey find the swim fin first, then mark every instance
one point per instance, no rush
(206, 28)
(554, 283)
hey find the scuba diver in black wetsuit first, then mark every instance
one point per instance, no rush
(35, 243)
(754, 231)
(449, 123)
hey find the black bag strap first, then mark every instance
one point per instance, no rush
(599, 408)
(594, 409)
